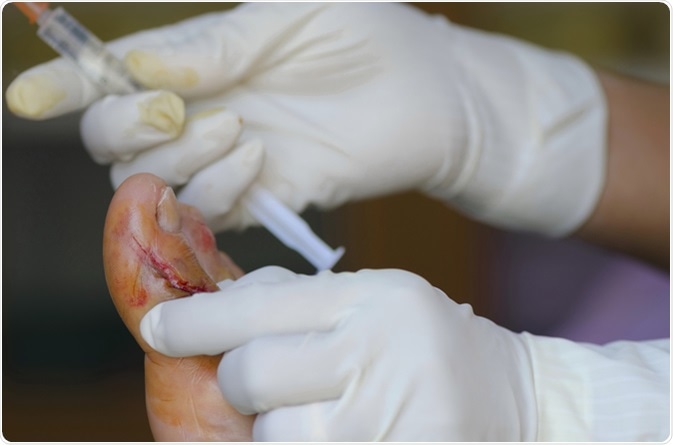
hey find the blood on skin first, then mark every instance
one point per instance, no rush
(207, 238)
(168, 272)
(119, 229)
(139, 298)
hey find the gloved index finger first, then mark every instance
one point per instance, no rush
(49, 90)
(61, 86)
(217, 322)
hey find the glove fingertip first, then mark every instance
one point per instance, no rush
(153, 71)
(217, 189)
(148, 327)
(189, 74)
(32, 97)
(117, 128)
(49, 90)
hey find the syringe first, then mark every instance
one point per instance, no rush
(77, 44)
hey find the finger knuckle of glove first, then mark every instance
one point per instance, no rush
(398, 287)
(251, 376)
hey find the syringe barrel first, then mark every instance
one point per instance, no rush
(75, 43)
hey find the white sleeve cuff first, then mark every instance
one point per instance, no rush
(617, 392)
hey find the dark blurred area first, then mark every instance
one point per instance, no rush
(72, 372)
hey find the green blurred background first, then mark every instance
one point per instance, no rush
(71, 372)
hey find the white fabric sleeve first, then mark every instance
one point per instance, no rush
(617, 392)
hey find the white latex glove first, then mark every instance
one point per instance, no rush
(351, 101)
(372, 355)
(383, 355)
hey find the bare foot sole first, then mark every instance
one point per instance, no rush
(157, 249)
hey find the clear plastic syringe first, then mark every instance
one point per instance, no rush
(77, 44)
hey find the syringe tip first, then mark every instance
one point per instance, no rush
(32, 10)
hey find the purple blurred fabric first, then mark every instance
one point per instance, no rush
(573, 290)
(624, 301)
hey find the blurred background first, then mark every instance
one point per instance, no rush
(71, 371)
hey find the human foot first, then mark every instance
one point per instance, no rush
(157, 249)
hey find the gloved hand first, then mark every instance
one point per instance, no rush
(383, 355)
(350, 101)
(372, 355)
